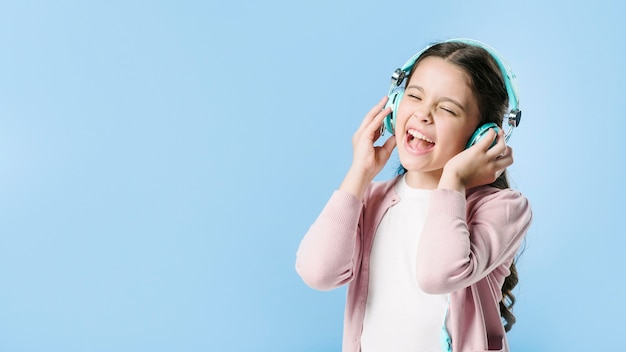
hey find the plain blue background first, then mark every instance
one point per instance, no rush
(161, 160)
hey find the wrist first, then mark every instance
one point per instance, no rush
(451, 180)
(355, 182)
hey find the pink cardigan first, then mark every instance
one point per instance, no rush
(467, 244)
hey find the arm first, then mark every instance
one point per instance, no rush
(464, 240)
(330, 249)
(460, 247)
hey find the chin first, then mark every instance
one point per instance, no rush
(419, 166)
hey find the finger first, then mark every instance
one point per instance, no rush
(374, 112)
(504, 160)
(389, 144)
(499, 173)
(500, 146)
(508, 153)
(501, 138)
(487, 140)
(374, 128)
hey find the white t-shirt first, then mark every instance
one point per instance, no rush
(399, 316)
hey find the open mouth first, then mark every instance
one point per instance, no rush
(418, 141)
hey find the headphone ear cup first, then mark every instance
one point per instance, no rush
(394, 102)
(481, 132)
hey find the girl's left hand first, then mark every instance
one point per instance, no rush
(478, 165)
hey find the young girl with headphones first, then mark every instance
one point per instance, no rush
(428, 255)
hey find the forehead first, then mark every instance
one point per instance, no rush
(439, 73)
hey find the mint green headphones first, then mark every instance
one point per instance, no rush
(513, 117)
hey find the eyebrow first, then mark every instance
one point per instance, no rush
(443, 99)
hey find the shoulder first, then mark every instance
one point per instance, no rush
(490, 193)
(491, 199)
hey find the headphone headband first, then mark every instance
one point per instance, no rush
(510, 80)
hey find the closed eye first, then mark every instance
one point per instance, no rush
(414, 96)
(449, 111)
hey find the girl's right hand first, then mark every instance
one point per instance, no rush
(367, 159)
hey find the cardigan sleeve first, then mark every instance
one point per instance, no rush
(463, 240)
(329, 251)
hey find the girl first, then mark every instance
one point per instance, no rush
(428, 254)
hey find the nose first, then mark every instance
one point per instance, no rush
(423, 115)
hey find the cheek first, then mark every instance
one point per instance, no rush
(405, 109)
(401, 116)
(469, 131)
(400, 121)
(399, 137)
(463, 134)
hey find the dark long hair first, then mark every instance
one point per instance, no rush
(489, 90)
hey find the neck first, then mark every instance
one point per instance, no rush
(423, 180)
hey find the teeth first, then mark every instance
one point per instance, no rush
(418, 135)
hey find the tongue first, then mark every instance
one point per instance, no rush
(420, 144)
